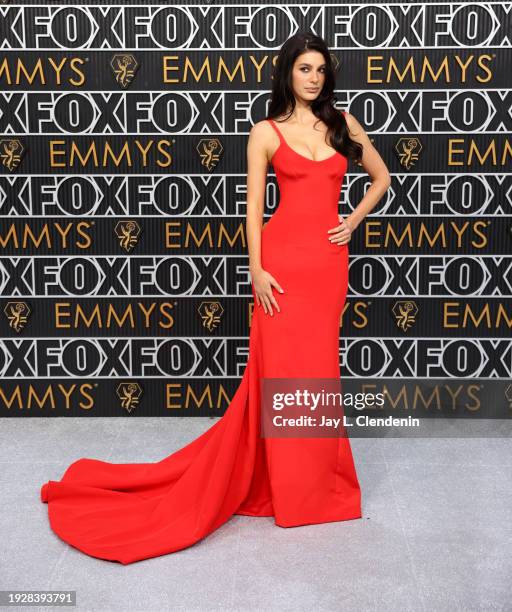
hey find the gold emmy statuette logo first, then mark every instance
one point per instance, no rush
(17, 314)
(210, 313)
(128, 233)
(11, 151)
(209, 149)
(124, 66)
(405, 314)
(129, 394)
(408, 150)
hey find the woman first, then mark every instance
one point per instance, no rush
(129, 512)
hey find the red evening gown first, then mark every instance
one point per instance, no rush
(127, 512)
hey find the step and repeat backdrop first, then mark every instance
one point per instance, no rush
(125, 287)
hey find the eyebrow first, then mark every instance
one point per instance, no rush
(306, 64)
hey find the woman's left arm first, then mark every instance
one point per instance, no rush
(374, 165)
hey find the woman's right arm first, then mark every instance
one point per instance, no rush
(257, 165)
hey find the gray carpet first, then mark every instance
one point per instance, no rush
(436, 532)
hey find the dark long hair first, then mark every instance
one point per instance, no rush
(282, 97)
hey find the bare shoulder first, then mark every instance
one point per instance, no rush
(260, 139)
(261, 133)
(352, 122)
(371, 161)
(357, 131)
(260, 129)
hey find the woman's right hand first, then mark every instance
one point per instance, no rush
(263, 282)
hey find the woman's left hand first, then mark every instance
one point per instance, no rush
(341, 234)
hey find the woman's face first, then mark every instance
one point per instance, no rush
(308, 75)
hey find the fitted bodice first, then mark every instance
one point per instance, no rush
(309, 193)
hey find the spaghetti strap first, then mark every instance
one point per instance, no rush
(281, 137)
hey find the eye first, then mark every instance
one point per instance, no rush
(303, 68)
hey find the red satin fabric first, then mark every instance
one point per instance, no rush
(134, 511)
